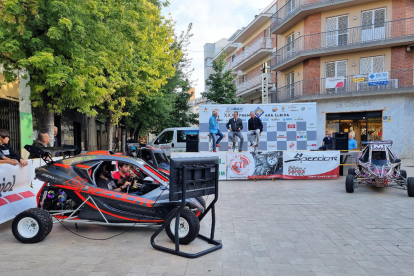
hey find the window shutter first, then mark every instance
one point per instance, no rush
(330, 69)
(378, 64)
(341, 68)
(379, 18)
(365, 66)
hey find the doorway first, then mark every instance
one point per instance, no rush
(77, 134)
(365, 126)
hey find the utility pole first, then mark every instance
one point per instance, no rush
(265, 83)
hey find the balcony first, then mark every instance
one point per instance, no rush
(282, 20)
(251, 85)
(399, 82)
(367, 37)
(261, 48)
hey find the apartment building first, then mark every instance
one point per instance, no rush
(246, 51)
(355, 60)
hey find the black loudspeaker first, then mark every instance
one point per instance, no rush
(340, 140)
(191, 143)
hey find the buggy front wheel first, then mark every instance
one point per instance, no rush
(188, 228)
(351, 171)
(32, 225)
(349, 184)
(410, 186)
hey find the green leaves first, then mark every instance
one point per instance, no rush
(222, 89)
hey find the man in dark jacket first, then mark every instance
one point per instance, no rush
(8, 151)
(41, 142)
(255, 128)
(235, 125)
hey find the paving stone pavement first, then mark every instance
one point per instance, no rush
(282, 227)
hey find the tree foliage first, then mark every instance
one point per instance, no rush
(86, 54)
(222, 89)
(169, 107)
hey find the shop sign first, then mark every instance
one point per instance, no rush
(334, 82)
(378, 79)
(386, 118)
(358, 78)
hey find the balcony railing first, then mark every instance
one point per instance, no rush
(400, 80)
(249, 84)
(260, 44)
(292, 7)
(379, 33)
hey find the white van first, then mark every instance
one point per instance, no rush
(173, 139)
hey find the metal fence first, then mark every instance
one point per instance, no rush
(348, 37)
(400, 79)
(260, 44)
(292, 7)
(10, 121)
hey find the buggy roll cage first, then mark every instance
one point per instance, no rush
(46, 153)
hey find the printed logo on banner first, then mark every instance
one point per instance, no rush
(293, 108)
(7, 186)
(303, 108)
(259, 112)
(299, 119)
(294, 170)
(205, 110)
(299, 157)
(274, 109)
(240, 165)
(292, 145)
(311, 145)
(291, 126)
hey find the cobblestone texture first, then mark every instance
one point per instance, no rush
(282, 227)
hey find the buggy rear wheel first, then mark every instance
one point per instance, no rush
(32, 226)
(410, 186)
(403, 173)
(349, 184)
(351, 171)
(202, 202)
(188, 228)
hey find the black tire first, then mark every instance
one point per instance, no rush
(202, 201)
(41, 220)
(410, 186)
(193, 223)
(349, 184)
(351, 171)
(403, 173)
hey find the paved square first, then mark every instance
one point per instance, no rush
(282, 227)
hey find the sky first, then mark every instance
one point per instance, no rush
(212, 20)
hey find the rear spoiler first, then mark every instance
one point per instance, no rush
(387, 142)
(48, 152)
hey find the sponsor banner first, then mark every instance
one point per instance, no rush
(253, 165)
(221, 155)
(378, 79)
(334, 82)
(18, 188)
(310, 164)
(358, 78)
(16, 192)
(277, 119)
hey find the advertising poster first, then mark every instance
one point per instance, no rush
(285, 126)
(16, 192)
(310, 164)
(221, 155)
(253, 165)
(376, 79)
(334, 82)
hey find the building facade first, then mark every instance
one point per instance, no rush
(354, 59)
(246, 51)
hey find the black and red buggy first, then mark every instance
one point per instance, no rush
(70, 195)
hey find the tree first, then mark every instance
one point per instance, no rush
(222, 89)
(86, 54)
(169, 107)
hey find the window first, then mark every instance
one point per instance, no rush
(290, 44)
(181, 135)
(373, 25)
(372, 65)
(336, 69)
(290, 79)
(146, 155)
(165, 138)
(337, 31)
(161, 158)
(290, 6)
(233, 57)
